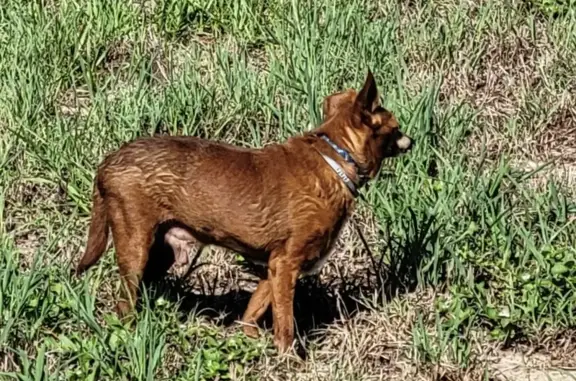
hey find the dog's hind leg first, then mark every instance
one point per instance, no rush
(259, 303)
(133, 235)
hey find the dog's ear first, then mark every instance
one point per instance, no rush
(333, 102)
(368, 98)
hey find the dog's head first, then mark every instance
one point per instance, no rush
(357, 122)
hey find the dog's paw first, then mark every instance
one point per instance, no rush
(251, 331)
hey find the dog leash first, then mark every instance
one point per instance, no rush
(349, 183)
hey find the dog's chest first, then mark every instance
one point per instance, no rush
(312, 265)
(315, 258)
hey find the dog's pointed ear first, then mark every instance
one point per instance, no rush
(368, 98)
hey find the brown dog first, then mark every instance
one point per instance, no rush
(282, 205)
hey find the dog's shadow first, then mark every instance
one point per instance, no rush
(317, 303)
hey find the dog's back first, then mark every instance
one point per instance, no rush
(186, 178)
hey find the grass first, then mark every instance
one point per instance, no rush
(472, 235)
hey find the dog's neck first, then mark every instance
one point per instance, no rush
(361, 177)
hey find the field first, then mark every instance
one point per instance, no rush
(465, 265)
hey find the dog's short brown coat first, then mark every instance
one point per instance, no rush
(282, 205)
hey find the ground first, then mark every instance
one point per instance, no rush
(458, 265)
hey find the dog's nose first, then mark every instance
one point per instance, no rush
(404, 143)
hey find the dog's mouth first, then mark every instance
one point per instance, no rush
(402, 151)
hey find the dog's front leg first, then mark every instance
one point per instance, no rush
(283, 272)
(259, 302)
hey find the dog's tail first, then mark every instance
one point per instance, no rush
(97, 234)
